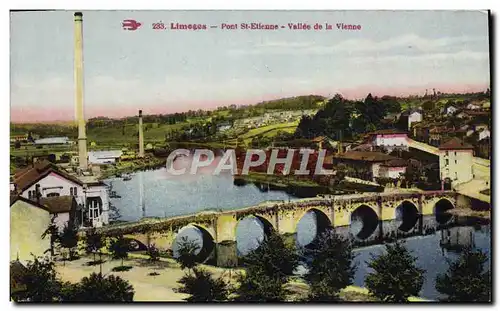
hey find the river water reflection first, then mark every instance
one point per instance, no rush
(166, 196)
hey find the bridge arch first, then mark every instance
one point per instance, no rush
(200, 235)
(250, 231)
(406, 213)
(441, 211)
(363, 221)
(305, 234)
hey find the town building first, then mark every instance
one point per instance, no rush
(369, 165)
(450, 110)
(28, 222)
(64, 211)
(411, 116)
(104, 157)
(484, 134)
(473, 106)
(393, 168)
(53, 141)
(389, 139)
(45, 180)
(455, 161)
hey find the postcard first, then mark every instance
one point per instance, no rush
(250, 156)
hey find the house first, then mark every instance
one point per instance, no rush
(366, 164)
(45, 180)
(411, 116)
(484, 133)
(389, 139)
(455, 161)
(393, 168)
(473, 106)
(104, 157)
(450, 110)
(28, 222)
(64, 211)
(223, 127)
(53, 141)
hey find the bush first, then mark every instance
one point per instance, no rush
(466, 279)
(202, 287)
(153, 253)
(331, 268)
(119, 248)
(96, 288)
(395, 276)
(41, 282)
(267, 270)
(186, 253)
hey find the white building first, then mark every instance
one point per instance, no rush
(44, 179)
(484, 133)
(393, 168)
(53, 141)
(455, 161)
(449, 110)
(104, 157)
(472, 106)
(389, 139)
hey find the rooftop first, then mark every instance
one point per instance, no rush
(61, 204)
(455, 144)
(388, 131)
(368, 156)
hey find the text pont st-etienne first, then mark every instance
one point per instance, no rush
(291, 26)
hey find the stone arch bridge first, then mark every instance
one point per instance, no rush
(219, 228)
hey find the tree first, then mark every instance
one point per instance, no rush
(97, 288)
(53, 232)
(119, 248)
(395, 276)
(94, 242)
(331, 268)
(202, 286)
(69, 239)
(266, 271)
(186, 253)
(41, 281)
(466, 279)
(17, 144)
(153, 253)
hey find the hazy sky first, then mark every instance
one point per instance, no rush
(175, 70)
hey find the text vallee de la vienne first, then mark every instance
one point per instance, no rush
(257, 26)
(205, 158)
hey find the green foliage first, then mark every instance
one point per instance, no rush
(93, 241)
(186, 253)
(69, 239)
(154, 253)
(395, 276)
(52, 232)
(202, 286)
(466, 279)
(41, 281)
(97, 288)
(267, 270)
(119, 248)
(331, 268)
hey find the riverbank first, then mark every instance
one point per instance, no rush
(127, 167)
(466, 212)
(157, 281)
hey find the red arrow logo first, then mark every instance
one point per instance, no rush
(130, 24)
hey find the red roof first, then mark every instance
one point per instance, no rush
(367, 156)
(387, 132)
(455, 144)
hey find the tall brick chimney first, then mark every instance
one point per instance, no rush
(80, 117)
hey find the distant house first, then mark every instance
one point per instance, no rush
(393, 168)
(104, 157)
(369, 164)
(411, 116)
(53, 141)
(484, 133)
(223, 127)
(449, 110)
(473, 106)
(389, 139)
(45, 180)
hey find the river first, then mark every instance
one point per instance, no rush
(165, 196)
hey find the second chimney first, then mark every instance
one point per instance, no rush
(141, 136)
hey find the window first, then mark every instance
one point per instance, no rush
(71, 191)
(30, 194)
(446, 162)
(94, 206)
(446, 154)
(75, 192)
(455, 153)
(455, 161)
